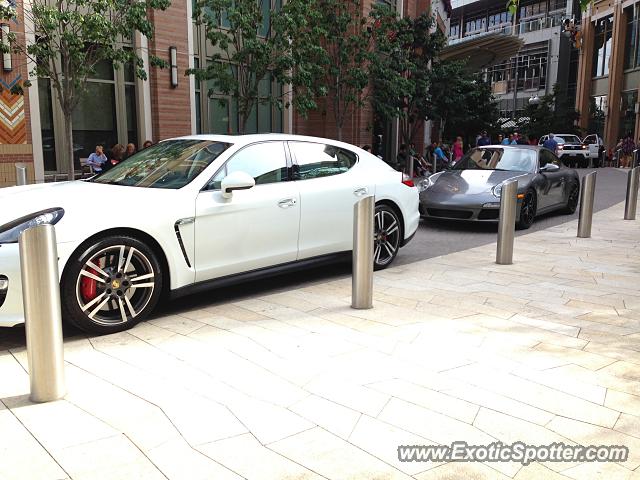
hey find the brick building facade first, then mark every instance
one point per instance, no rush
(123, 109)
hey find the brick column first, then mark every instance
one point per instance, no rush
(170, 107)
(585, 67)
(616, 66)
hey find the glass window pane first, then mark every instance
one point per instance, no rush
(252, 121)
(198, 114)
(103, 70)
(265, 7)
(132, 119)
(219, 116)
(94, 120)
(266, 162)
(46, 123)
(316, 160)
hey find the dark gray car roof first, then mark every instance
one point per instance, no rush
(514, 147)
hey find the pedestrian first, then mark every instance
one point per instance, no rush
(458, 149)
(438, 154)
(628, 145)
(515, 138)
(550, 143)
(500, 139)
(147, 144)
(117, 155)
(484, 139)
(97, 159)
(508, 140)
(403, 157)
(522, 140)
(130, 150)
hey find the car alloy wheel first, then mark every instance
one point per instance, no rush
(572, 199)
(387, 236)
(527, 211)
(112, 286)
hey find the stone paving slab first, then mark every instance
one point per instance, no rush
(297, 385)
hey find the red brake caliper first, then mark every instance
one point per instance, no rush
(88, 286)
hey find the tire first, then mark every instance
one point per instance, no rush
(388, 235)
(527, 210)
(572, 199)
(100, 291)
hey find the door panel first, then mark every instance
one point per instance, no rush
(554, 182)
(255, 228)
(330, 185)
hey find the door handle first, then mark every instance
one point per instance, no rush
(359, 192)
(287, 202)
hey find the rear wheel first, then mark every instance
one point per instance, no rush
(111, 284)
(387, 236)
(527, 210)
(572, 199)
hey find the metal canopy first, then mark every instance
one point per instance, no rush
(484, 50)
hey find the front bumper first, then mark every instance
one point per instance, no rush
(475, 212)
(11, 312)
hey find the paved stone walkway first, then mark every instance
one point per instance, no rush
(298, 386)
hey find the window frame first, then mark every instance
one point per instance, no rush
(289, 165)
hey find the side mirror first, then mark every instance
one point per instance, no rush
(550, 167)
(236, 181)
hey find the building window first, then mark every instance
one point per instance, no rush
(475, 25)
(597, 114)
(499, 20)
(218, 113)
(602, 47)
(628, 102)
(632, 42)
(534, 10)
(105, 115)
(454, 31)
(527, 71)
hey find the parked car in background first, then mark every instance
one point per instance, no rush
(571, 150)
(471, 189)
(198, 212)
(595, 145)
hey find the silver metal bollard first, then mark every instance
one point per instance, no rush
(43, 320)
(21, 175)
(586, 205)
(507, 222)
(632, 194)
(363, 232)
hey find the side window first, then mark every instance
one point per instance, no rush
(590, 140)
(315, 160)
(265, 162)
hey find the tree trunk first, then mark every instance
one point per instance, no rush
(242, 122)
(339, 132)
(68, 129)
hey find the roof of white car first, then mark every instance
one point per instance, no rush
(252, 138)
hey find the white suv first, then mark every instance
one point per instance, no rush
(571, 150)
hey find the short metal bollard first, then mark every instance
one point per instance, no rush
(507, 222)
(586, 205)
(632, 194)
(363, 232)
(21, 175)
(43, 320)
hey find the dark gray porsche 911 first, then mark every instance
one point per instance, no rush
(471, 189)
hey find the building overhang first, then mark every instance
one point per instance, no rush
(483, 50)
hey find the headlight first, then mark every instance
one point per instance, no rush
(426, 183)
(9, 232)
(497, 190)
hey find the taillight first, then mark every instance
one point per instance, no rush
(407, 180)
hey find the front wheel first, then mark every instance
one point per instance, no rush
(387, 236)
(111, 284)
(527, 211)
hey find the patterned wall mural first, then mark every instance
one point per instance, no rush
(13, 127)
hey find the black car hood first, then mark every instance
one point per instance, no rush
(473, 182)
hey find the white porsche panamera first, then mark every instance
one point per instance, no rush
(198, 212)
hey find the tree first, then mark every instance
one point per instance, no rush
(346, 40)
(405, 49)
(461, 101)
(554, 114)
(255, 44)
(72, 38)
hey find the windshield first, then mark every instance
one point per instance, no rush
(171, 164)
(568, 139)
(510, 159)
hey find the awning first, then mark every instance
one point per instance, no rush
(483, 50)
